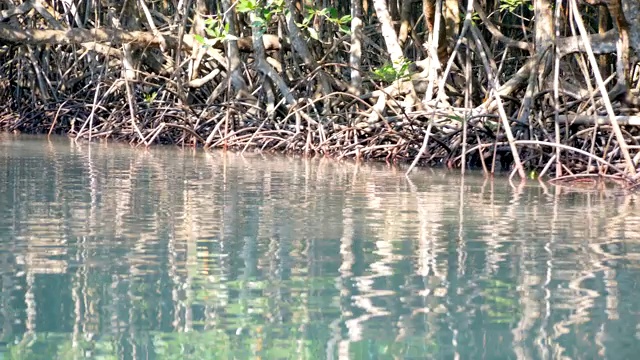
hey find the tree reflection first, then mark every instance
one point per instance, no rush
(161, 254)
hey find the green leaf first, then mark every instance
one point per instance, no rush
(267, 14)
(333, 12)
(345, 19)
(209, 21)
(313, 33)
(199, 38)
(307, 19)
(258, 22)
(246, 6)
(211, 32)
(345, 29)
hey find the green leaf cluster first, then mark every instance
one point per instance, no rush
(261, 17)
(217, 31)
(513, 5)
(331, 15)
(391, 72)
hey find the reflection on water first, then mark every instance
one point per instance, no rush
(109, 252)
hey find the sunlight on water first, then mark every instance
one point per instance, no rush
(107, 251)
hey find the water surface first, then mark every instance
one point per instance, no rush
(108, 252)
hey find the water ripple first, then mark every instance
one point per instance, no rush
(167, 252)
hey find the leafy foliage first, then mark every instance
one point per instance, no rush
(513, 5)
(391, 72)
(217, 31)
(331, 15)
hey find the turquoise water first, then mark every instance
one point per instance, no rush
(109, 252)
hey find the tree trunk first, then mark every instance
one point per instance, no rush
(622, 24)
(405, 22)
(300, 46)
(261, 63)
(355, 53)
(198, 28)
(393, 47)
(233, 54)
(544, 29)
(444, 39)
(388, 32)
(451, 14)
(129, 21)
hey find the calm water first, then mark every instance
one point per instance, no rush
(107, 252)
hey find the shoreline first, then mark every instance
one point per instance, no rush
(579, 182)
